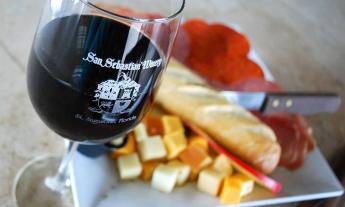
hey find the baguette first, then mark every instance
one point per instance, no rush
(186, 95)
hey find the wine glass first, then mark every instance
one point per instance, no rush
(92, 74)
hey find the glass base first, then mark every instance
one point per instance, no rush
(30, 189)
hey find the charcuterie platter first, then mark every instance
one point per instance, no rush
(286, 165)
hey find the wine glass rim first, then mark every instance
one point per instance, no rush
(141, 20)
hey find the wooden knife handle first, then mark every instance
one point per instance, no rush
(301, 103)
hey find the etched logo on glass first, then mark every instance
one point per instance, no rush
(115, 96)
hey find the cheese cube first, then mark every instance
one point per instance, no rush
(164, 178)
(127, 149)
(205, 163)
(152, 148)
(154, 125)
(175, 143)
(129, 166)
(140, 132)
(183, 171)
(148, 168)
(118, 141)
(222, 164)
(196, 157)
(247, 183)
(231, 191)
(199, 141)
(210, 180)
(172, 124)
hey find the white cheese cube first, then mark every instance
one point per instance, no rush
(222, 164)
(210, 180)
(140, 132)
(164, 178)
(129, 166)
(152, 148)
(183, 171)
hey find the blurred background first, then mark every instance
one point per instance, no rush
(301, 41)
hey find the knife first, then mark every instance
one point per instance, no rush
(291, 102)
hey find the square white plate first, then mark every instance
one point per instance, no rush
(95, 183)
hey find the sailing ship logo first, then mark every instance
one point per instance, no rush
(116, 96)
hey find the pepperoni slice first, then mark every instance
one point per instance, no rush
(232, 71)
(242, 69)
(204, 46)
(218, 53)
(237, 45)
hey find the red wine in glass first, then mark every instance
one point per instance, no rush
(92, 75)
(101, 86)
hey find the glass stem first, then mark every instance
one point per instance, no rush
(60, 182)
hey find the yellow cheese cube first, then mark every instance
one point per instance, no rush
(148, 168)
(164, 178)
(231, 191)
(210, 180)
(154, 125)
(172, 124)
(127, 149)
(195, 171)
(129, 166)
(175, 143)
(196, 157)
(140, 132)
(183, 171)
(247, 183)
(199, 141)
(222, 164)
(152, 148)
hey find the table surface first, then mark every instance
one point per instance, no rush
(301, 41)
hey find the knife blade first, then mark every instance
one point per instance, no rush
(292, 102)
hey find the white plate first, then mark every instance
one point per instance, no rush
(95, 183)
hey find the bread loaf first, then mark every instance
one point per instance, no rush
(186, 95)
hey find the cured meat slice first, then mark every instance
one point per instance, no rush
(294, 137)
(217, 53)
